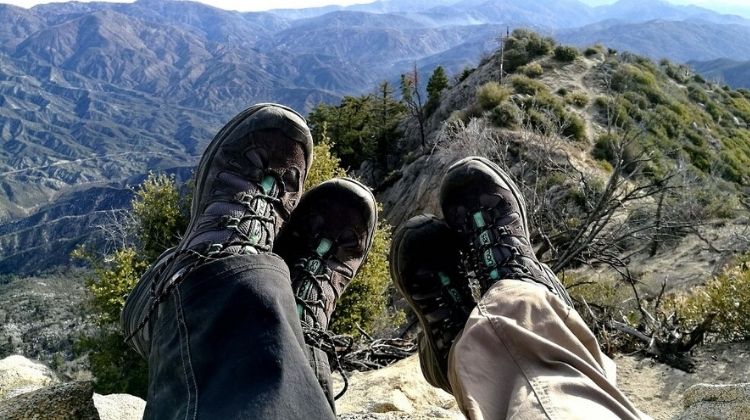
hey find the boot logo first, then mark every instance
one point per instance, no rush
(313, 266)
(485, 239)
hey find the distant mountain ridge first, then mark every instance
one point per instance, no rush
(94, 95)
(732, 72)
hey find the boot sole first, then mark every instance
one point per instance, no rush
(372, 203)
(216, 143)
(373, 207)
(505, 177)
(411, 224)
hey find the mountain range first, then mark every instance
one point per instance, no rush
(95, 95)
(732, 72)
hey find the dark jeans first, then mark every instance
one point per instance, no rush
(226, 344)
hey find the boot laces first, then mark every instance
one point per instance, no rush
(312, 272)
(485, 239)
(256, 223)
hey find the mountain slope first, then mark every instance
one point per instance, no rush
(639, 11)
(677, 40)
(734, 73)
(95, 94)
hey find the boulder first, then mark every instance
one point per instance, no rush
(19, 375)
(30, 390)
(119, 407)
(395, 392)
(57, 402)
(725, 402)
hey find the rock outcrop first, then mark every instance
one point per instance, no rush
(725, 402)
(72, 400)
(19, 375)
(30, 390)
(396, 392)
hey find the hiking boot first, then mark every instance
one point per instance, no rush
(426, 268)
(247, 183)
(485, 207)
(325, 243)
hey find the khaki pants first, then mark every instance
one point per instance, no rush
(524, 354)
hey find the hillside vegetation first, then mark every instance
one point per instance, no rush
(622, 160)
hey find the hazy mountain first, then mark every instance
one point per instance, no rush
(542, 13)
(94, 95)
(677, 40)
(643, 11)
(734, 73)
(17, 24)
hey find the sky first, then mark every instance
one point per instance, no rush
(241, 5)
(257, 5)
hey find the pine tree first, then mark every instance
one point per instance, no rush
(435, 86)
(389, 112)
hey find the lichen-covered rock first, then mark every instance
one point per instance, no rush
(720, 402)
(396, 392)
(19, 375)
(57, 402)
(119, 407)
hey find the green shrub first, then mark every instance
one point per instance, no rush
(726, 297)
(532, 70)
(628, 77)
(523, 46)
(575, 128)
(539, 121)
(160, 217)
(578, 99)
(506, 115)
(526, 86)
(325, 165)
(697, 93)
(566, 54)
(492, 94)
(606, 148)
(592, 51)
(465, 73)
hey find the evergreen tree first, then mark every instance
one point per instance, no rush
(360, 128)
(435, 86)
(389, 113)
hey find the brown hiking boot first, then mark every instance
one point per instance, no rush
(426, 268)
(485, 207)
(324, 244)
(247, 183)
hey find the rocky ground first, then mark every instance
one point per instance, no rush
(399, 392)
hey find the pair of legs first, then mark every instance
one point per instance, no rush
(233, 320)
(499, 330)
